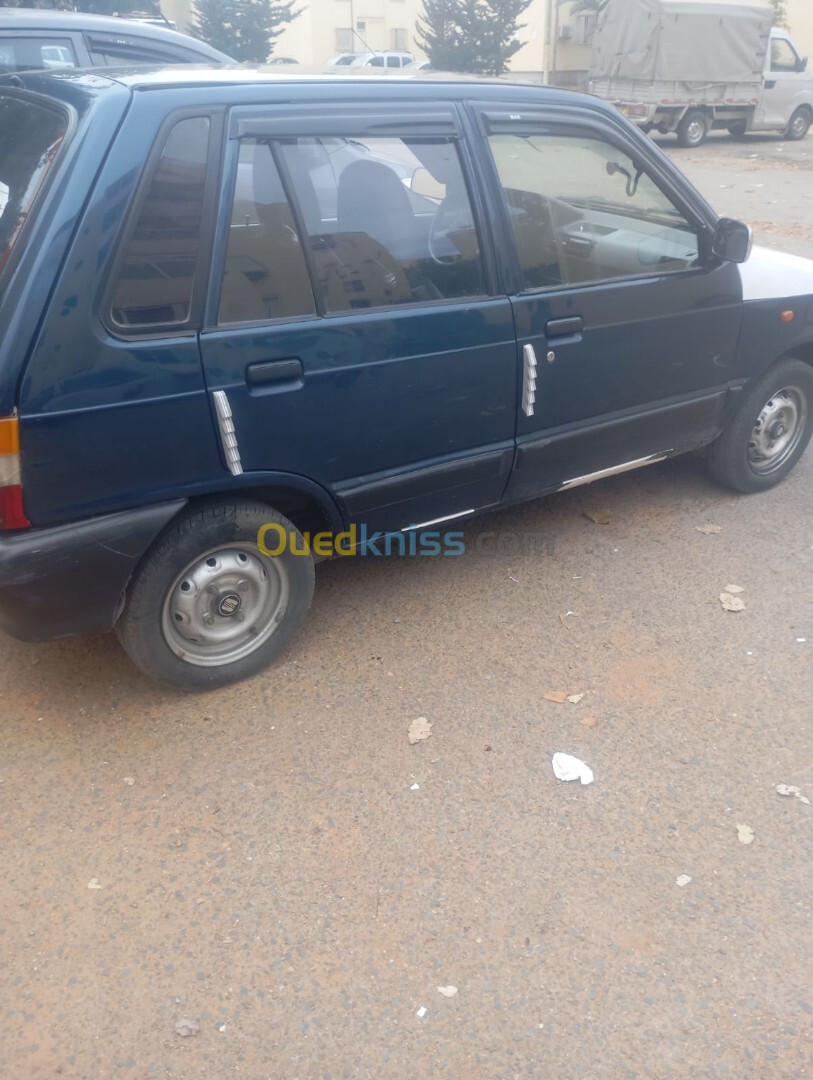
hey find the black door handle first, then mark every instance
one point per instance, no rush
(272, 371)
(558, 328)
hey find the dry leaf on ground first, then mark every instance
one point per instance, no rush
(419, 729)
(709, 530)
(600, 517)
(588, 721)
(732, 603)
(559, 696)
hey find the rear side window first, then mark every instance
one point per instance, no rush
(156, 276)
(387, 220)
(27, 54)
(30, 136)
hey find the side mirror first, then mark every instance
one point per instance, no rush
(732, 240)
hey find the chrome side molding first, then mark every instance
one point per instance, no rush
(628, 466)
(528, 379)
(228, 436)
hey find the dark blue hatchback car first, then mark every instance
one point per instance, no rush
(238, 308)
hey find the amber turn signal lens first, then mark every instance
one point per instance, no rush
(788, 316)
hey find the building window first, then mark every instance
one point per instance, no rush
(344, 39)
(400, 41)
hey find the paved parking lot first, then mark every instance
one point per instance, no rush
(276, 862)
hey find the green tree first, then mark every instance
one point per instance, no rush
(244, 29)
(479, 36)
(780, 16)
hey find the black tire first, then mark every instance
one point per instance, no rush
(737, 129)
(737, 459)
(206, 575)
(693, 128)
(799, 125)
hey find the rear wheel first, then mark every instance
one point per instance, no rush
(207, 606)
(770, 431)
(799, 125)
(737, 129)
(693, 128)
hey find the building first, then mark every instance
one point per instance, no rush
(554, 39)
(800, 21)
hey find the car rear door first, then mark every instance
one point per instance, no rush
(354, 329)
(627, 328)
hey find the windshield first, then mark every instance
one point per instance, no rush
(30, 135)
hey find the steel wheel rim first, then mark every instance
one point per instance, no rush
(694, 132)
(777, 431)
(224, 605)
(798, 125)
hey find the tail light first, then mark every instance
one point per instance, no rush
(12, 515)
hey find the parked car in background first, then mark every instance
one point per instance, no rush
(420, 65)
(341, 59)
(31, 39)
(238, 308)
(382, 59)
(281, 60)
(690, 67)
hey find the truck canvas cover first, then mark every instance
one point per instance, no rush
(693, 41)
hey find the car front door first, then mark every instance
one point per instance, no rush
(785, 79)
(627, 328)
(354, 328)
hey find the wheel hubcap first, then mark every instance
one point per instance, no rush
(777, 431)
(695, 131)
(224, 605)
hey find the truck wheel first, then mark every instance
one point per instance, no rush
(737, 129)
(799, 125)
(693, 128)
(207, 607)
(769, 432)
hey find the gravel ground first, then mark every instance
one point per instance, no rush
(259, 861)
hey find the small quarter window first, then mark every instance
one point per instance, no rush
(156, 276)
(265, 276)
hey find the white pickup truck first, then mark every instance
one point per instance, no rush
(688, 66)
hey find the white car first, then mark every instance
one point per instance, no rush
(383, 59)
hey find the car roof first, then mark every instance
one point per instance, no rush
(21, 19)
(300, 85)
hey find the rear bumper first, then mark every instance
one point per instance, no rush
(71, 579)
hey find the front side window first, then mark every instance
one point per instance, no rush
(783, 58)
(582, 210)
(388, 220)
(30, 136)
(156, 277)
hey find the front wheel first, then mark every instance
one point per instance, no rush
(693, 128)
(799, 125)
(769, 432)
(208, 606)
(737, 129)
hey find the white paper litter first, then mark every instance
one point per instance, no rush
(574, 699)
(415, 787)
(791, 789)
(735, 590)
(566, 767)
(682, 881)
(447, 991)
(732, 603)
(745, 834)
(421, 1013)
